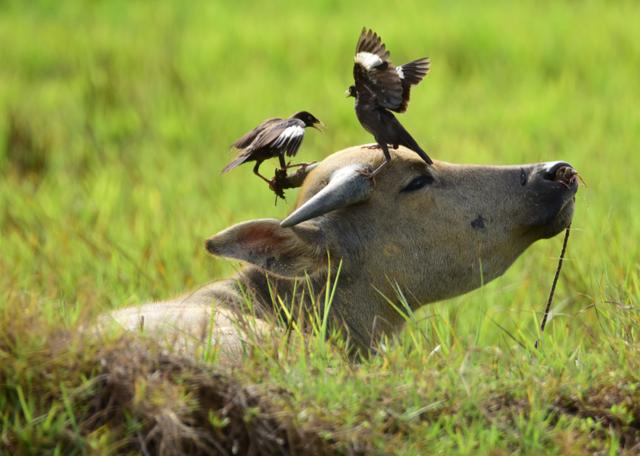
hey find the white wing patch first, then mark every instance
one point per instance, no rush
(400, 72)
(289, 133)
(368, 60)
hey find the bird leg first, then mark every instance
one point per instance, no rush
(257, 172)
(298, 165)
(286, 166)
(283, 165)
(387, 159)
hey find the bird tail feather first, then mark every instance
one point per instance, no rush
(409, 142)
(237, 162)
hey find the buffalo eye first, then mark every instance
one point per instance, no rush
(418, 182)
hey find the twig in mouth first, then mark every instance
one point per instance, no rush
(553, 285)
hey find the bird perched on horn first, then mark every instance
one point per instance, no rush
(381, 88)
(273, 138)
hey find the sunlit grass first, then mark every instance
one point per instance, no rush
(115, 121)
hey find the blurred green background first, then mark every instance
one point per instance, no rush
(115, 122)
(116, 117)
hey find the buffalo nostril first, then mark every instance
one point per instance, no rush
(550, 169)
(566, 174)
(562, 172)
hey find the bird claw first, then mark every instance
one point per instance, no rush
(302, 168)
(371, 174)
(368, 173)
(372, 146)
(282, 181)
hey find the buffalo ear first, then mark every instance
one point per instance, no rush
(286, 252)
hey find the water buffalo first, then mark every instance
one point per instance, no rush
(431, 232)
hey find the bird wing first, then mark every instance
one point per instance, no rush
(411, 74)
(373, 70)
(246, 140)
(283, 136)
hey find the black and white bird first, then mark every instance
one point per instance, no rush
(381, 88)
(273, 137)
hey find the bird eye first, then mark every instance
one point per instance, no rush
(418, 182)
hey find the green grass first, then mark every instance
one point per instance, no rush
(115, 119)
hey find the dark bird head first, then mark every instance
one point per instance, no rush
(351, 91)
(309, 119)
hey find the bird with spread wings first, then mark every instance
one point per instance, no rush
(380, 88)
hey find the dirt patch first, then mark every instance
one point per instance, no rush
(130, 396)
(184, 408)
(614, 407)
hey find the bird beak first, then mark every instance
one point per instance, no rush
(319, 126)
(347, 94)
